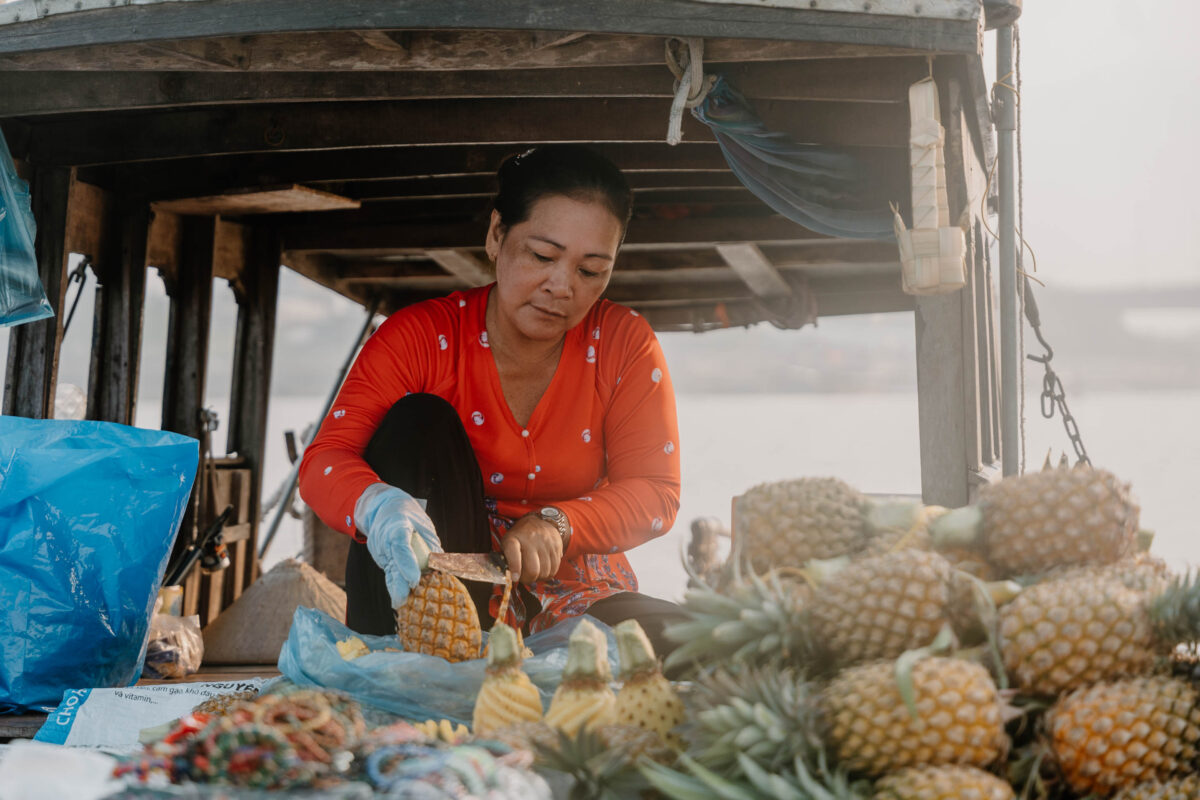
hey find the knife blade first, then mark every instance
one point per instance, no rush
(483, 567)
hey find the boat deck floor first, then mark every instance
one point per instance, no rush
(25, 726)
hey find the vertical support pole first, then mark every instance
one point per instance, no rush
(254, 346)
(120, 299)
(33, 348)
(1005, 112)
(187, 361)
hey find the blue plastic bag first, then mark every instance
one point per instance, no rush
(88, 514)
(22, 298)
(413, 685)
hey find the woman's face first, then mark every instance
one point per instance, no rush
(552, 267)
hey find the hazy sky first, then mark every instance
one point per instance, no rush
(1110, 116)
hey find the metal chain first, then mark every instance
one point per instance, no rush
(78, 275)
(1054, 395)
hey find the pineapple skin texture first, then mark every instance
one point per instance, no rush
(1063, 634)
(507, 696)
(439, 619)
(1114, 735)
(959, 721)
(581, 704)
(1177, 789)
(786, 523)
(942, 783)
(881, 606)
(1057, 517)
(649, 701)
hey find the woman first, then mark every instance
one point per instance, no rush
(530, 416)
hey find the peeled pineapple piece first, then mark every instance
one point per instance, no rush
(584, 698)
(646, 700)
(507, 695)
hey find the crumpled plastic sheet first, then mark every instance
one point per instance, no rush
(413, 685)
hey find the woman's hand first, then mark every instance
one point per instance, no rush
(533, 548)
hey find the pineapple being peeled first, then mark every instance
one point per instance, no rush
(584, 698)
(646, 700)
(959, 719)
(1113, 735)
(507, 695)
(439, 616)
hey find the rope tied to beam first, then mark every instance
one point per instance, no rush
(685, 59)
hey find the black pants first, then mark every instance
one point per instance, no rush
(422, 448)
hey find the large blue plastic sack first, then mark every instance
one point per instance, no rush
(22, 298)
(88, 514)
(413, 685)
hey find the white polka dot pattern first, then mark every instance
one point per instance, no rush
(596, 333)
(442, 341)
(587, 434)
(483, 339)
(349, 521)
(656, 524)
(656, 375)
(328, 470)
(477, 418)
(339, 413)
(497, 477)
(669, 448)
(591, 354)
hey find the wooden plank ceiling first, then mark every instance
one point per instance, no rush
(412, 125)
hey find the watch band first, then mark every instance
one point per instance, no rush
(558, 518)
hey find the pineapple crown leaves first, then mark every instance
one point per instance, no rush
(598, 772)
(1175, 611)
(766, 714)
(983, 598)
(587, 654)
(636, 653)
(758, 619)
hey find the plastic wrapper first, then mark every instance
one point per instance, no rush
(175, 648)
(88, 514)
(22, 298)
(413, 685)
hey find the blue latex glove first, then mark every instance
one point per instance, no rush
(389, 517)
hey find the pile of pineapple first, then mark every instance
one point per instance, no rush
(1023, 646)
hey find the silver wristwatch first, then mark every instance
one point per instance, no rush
(557, 518)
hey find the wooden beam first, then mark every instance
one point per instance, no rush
(345, 235)
(464, 266)
(117, 327)
(162, 246)
(88, 225)
(158, 22)
(759, 274)
(31, 371)
(876, 80)
(259, 200)
(188, 177)
(416, 50)
(223, 131)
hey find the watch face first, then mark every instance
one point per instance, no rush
(550, 513)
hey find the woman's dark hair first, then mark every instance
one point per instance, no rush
(563, 169)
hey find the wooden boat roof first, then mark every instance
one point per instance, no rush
(367, 132)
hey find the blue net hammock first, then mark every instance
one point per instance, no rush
(822, 188)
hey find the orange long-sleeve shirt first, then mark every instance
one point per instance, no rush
(602, 444)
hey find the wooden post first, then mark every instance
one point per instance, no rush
(190, 291)
(120, 299)
(954, 361)
(254, 346)
(33, 348)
